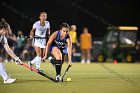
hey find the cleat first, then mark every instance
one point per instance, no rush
(58, 77)
(9, 81)
(88, 61)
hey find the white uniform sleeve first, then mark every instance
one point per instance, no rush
(35, 25)
(4, 40)
(48, 24)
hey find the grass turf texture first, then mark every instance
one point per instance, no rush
(86, 78)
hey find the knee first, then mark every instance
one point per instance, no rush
(58, 57)
(39, 54)
(0, 60)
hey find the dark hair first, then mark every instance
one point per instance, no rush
(64, 25)
(3, 24)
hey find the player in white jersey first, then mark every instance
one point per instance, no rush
(40, 32)
(4, 28)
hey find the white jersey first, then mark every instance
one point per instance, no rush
(41, 30)
(3, 40)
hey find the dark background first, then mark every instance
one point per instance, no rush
(21, 14)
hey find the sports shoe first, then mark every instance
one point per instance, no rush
(88, 61)
(82, 61)
(9, 81)
(58, 77)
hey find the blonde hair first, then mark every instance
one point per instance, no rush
(43, 13)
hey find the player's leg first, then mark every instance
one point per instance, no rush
(64, 53)
(42, 52)
(88, 55)
(2, 70)
(83, 56)
(37, 59)
(63, 58)
(4, 74)
(58, 62)
(35, 44)
(73, 48)
(34, 60)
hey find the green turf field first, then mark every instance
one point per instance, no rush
(86, 78)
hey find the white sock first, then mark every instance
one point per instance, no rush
(34, 60)
(83, 61)
(38, 60)
(88, 60)
(3, 72)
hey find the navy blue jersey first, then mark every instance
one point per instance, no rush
(61, 44)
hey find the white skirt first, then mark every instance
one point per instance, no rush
(41, 43)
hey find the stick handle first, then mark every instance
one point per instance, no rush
(39, 72)
(66, 72)
(25, 37)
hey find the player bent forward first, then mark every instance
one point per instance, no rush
(4, 28)
(59, 44)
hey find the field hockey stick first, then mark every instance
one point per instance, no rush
(40, 72)
(65, 72)
(25, 37)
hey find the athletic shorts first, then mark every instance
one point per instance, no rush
(63, 50)
(41, 43)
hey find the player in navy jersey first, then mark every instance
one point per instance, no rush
(40, 29)
(59, 44)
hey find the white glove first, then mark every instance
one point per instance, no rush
(18, 61)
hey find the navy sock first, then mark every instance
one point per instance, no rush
(58, 65)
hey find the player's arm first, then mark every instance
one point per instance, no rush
(9, 28)
(80, 40)
(77, 43)
(14, 36)
(32, 32)
(48, 34)
(11, 53)
(52, 37)
(69, 43)
(48, 31)
(7, 48)
(90, 41)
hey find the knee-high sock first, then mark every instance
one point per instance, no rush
(58, 65)
(34, 60)
(38, 60)
(3, 72)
